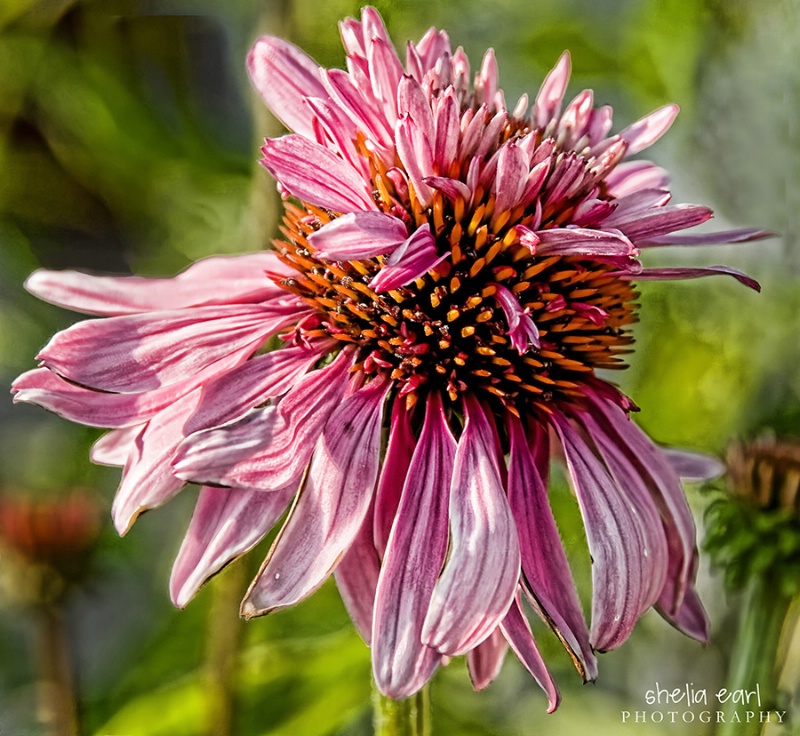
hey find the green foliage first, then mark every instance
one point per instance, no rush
(746, 542)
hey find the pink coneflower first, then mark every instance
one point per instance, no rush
(454, 271)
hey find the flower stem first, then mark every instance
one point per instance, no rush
(409, 717)
(58, 708)
(756, 662)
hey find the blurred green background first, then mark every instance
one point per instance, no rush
(128, 140)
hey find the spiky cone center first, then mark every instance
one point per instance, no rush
(446, 330)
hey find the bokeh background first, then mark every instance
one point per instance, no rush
(128, 140)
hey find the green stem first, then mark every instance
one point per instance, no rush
(225, 631)
(409, 717)
(755, 664)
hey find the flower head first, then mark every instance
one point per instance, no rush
(454, 270)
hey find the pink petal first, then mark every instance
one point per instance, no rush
(693, 466)
(614, 536)
(517, 631)
(340, 132)
(414, 103)
(451, 188)
(662, 220)
(114, 447)
(670, 274)
(485, 660)
(433, 46)
(226, 523)
(416, 155)
(583, 242)
(316, 175)
(478, 581)
(447, 130)
(548, 102)
(668, 495)
(148, 480)
(385, 73)
(396, 462)
(521, 328)
(745, 235)
(362, 110)
(357, 577)
(269, 448)
(243, 277)
(510, 181)
(649, 129)
(413, 259)
(633, 483)
(486, 80)
(544, 562)
(402, 664)
(359, 235)
(230, 395)
(283, 76)
(146, 351)
(331, 507)
(691, 618)
(576, 116)
(631, 176)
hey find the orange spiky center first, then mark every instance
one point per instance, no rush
(446, 331)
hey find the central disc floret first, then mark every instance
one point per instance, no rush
(451, 329)
(475, 263)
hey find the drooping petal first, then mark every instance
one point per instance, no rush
(414, 258)
(114, 447)
(485, 660)
(226, 523)
(396, 462)
(146, 351)
(357, 577)
(633, 486)
(691, 618)
(645, 132)
(693, 466)
(668, 495)
(478, 581)
(614, 537)
(243, 277)
(283, 75)
(745, 235)
(415, 553)
(316, 175)
(544, 563)
(231, 394)
(104, 409)
(331, 507)
(517, 631)
(678, 273)
(359, 235)
(269, 448)
(148, 480)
